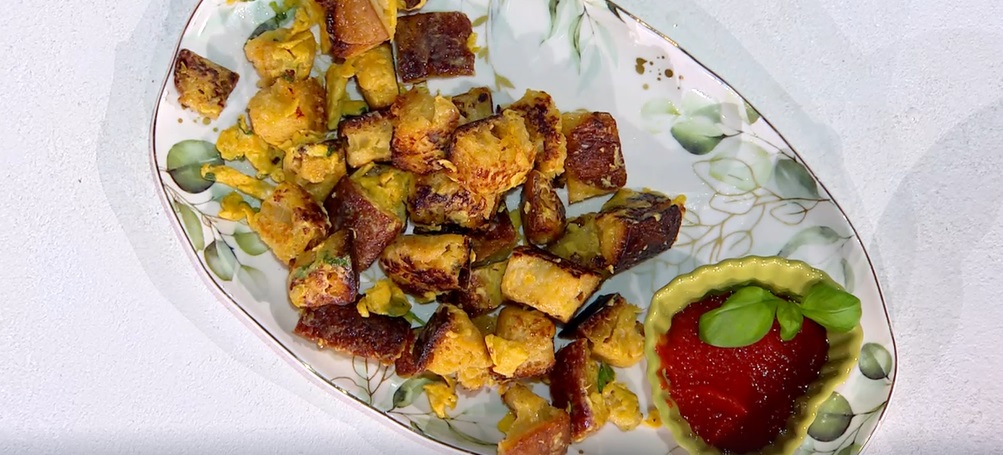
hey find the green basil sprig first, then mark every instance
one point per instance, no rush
(747, 315)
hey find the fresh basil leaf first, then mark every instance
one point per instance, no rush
(745, 318)
(831, 307)
(790, 318)
(606, 375)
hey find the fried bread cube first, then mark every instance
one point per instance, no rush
(287, 114)
(475, 104)
(290, 222)
(543, 216)
(368, 137)
(611, 325)
(376, 76)
(433, 45)
(541, 280)
(637, 225)
(493, 155)
(436, 200)
(426, 265)
(370, 203)
(574, 385)
(203, 86)
(451, 344)
(354, 26)
(423, 125)
(317, 167)
(495, 240)
(324, 275)
(537, 428)
(594, 165)
(340, 327)
(535, 332)
(482, 293)
(543, 121)
(281, 53)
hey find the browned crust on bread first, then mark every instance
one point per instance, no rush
(433, 45)
(341, 328)
(595, 163)
(374, 228)
(636, 226)
(543, 213)
(354, 27)
(570, 385)
(191, 69)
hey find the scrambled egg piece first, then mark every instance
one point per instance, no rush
(282, 53)
(233, 207)
(506, 355)
(239, 141)
(316, 168)
(384, 298)
(287, 114)
(238, 180)
(654, 419)
(441, 395)
(622, 405)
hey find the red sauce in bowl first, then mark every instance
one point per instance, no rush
(738, 399)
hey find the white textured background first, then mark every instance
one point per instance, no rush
(112, 344)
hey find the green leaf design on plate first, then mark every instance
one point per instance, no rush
(479, 21)
(250, 243)
(733, 172)
(552, 7)
(184, 164)
(875, 361)
(411, 389)
(852, 449)
(192, 225)
(848, 277)
(815, 235)
(738, 204)
(832, 420)
(698, 135)
(751, 114)
(738, 243)
(254, 281)
(613, 9)
(576, 39)
(220, 259)
(790, 213)
(794, 180)
(282, 12)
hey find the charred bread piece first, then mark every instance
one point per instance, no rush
(537, 429)
(376, 76)
(495, 240)
(203, 86)
(405, 365)
(436, 200)
(634, 226)
(340, 327)
(354, 26)
(316, 167)
(368, 138)
(492, 155)
(290, 222)
(594, 165)
(543, 121)
(433, 45)
(475, 104)
(574, 385)
(324, 274)
(616, 335)
(542, 211)
(289, 113)
(370, 203)
(535, 332)
(553, 285)
(423, 125)
(426, 265)
(451, 344)
(482, 293)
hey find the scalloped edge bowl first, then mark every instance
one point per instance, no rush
(780, 275)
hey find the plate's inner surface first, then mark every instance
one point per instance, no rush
(682, 132)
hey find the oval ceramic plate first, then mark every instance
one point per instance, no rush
(683, 131)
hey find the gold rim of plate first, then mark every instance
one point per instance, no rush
(780, 275)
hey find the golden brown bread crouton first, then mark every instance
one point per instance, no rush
(324, 275)
(281, 53)
(542, 211)
(535, 332)
(203, 86)
(492, 155)
(475, 104)
(611, 325)
(433, 45)
(426, 265)
(354, 26)
(451, 344)
(482, 293)
(436, 200)
(340, 327)
(370, 203)
(537, 428)
(543, 121)
(574, 385)
(316, 167)
(594, 165)
(423, 125)
(290, 222)
(580, 244)
(541, 280)
(495, 240)
(368, 137)
(377, 79)
(287, 113)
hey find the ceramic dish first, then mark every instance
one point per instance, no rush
(683, 131)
